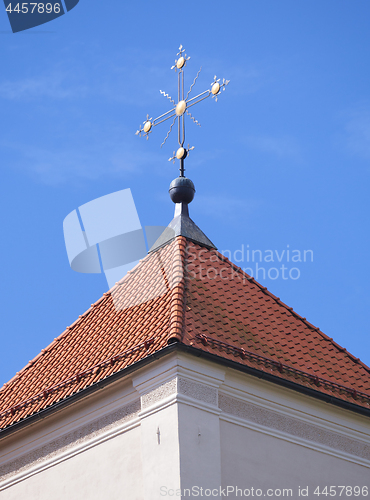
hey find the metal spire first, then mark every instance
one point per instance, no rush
(179, 109)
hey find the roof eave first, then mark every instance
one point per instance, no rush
(178, 346)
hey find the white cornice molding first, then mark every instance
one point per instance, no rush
(178, 398)
(242, 384)
(200, 371)
(295, 439)
(304, 413)
(176, 365)
(80, 414)
(155, 375)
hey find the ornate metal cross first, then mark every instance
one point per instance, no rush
(181, 108)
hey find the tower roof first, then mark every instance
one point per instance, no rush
(189, 294)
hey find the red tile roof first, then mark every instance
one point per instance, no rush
(196, 296)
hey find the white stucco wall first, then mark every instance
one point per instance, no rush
(254, 459)
(200, 452)
(111, 469)
(182, 423)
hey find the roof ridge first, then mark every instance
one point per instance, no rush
(294, 313)
(177, 302)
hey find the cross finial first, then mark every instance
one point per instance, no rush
(181, 107)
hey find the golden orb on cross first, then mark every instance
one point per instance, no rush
(181, 153)
(181, 108)
(147, 126)
(180, 62)
(215, 88)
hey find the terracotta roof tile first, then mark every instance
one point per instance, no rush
(186, 293)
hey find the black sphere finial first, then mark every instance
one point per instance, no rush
(182, 190)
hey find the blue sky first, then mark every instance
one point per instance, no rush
(283, 158)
